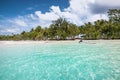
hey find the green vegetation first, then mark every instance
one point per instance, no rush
(61, 29)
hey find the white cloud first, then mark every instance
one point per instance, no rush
(20, 23)
(9, 31)
(47, 16)
(81, 9)
(79, 6)
(112, 3)
(32, 17)
(79, 12)
(12, 30)
(55, 9)
(95, 17)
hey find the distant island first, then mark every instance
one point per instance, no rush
(61, 29)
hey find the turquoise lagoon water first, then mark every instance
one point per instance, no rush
(60, 61)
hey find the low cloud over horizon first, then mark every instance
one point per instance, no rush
(78, 12)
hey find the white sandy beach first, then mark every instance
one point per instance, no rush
(63, 41)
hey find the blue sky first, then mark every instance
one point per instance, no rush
(19, 15)
(13, 8)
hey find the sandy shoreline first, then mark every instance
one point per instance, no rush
(36, 42)
(63, 41)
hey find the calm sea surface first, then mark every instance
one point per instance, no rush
(96, 60)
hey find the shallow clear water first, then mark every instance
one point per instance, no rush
(60, 61)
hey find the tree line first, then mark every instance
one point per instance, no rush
(61, 29)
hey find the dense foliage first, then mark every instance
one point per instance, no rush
(61, 29)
